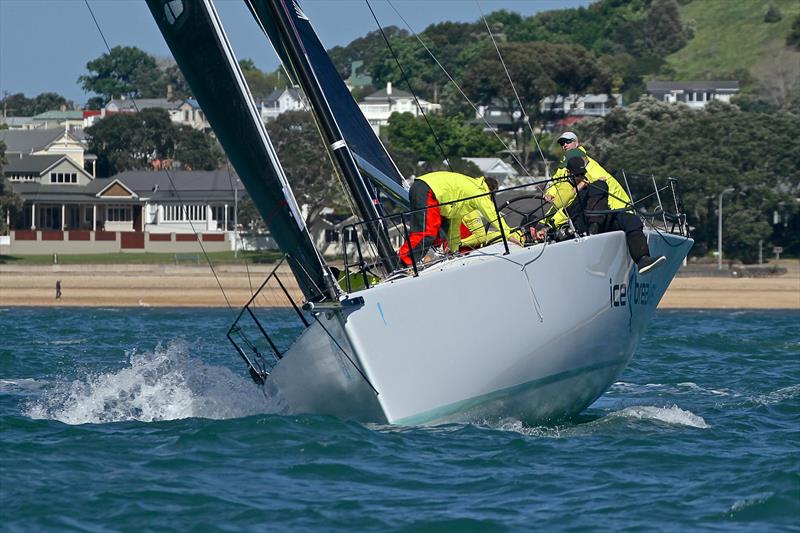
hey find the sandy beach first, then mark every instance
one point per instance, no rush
(197, 286)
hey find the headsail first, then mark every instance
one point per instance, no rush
(368, 151)
(198, 42)
(288, 19)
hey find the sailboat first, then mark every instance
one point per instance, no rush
(535, 333)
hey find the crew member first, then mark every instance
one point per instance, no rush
(436, 188)
(588, 195)
(561, 193)
(474, 230)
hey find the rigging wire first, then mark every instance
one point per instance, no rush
(516, 94)
(306, 101)
(169, 175)
(460, 90)
(236, 232)
(408, 82)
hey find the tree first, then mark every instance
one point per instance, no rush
(708, 150)
(132, 140)
(453, 138)
(125, 70)
(793, 39)
(262, 84)
(196, 150)
(778, 74)
(10, 202)
(18, 105)
(306, 162)
(537, 70)
(773, 15)
(364, 49)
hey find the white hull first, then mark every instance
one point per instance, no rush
(483, 336)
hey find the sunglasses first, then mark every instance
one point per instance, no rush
(562, 142)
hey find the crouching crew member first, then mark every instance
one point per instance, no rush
(431, 190)
(589, 188)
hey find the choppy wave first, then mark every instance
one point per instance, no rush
(778, 396)
(20, 385)
(165, 384)
(671, 415)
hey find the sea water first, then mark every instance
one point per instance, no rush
(145, 420)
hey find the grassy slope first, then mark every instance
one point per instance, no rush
(729, 35)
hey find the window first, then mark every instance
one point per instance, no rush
(63, 177)
(118, 214)
(178, 213)
(331, 235)
(350, 235)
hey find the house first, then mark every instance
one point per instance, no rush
(692, 93)
(66, 210)
(181, 112)
(18, 123)
(493, 167)
(379, 106)
(69, 120)
(335, 233)
(581, 105)
(281, 101)
(44, 142)
(356, 80)
(125, 105)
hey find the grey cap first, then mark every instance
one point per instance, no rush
(569, 136)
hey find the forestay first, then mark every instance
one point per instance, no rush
(368, 151)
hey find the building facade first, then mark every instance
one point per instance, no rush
(379, 106)
(692, 93)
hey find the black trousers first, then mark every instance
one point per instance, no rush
(595, 198)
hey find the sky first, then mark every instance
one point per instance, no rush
(45, 44)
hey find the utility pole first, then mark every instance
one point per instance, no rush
(719, 227)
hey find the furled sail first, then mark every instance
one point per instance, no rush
(198, 42)
(368, 151)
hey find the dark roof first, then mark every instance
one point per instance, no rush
(143, 182)
(47, 193)
(190, 186)
(26, 141)
(144, 103)
(59, 115)
(31, 164)
(692, 85)
(274, 95)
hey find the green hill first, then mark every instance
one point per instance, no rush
(730, 37)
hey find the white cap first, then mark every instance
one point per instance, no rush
(569, 136)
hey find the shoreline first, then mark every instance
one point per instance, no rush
(135, 285)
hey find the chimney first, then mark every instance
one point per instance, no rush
(169, 91)
(388, 88)
(62, 108)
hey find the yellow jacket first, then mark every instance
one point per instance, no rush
(478, 234)
(563, 192)
(452, 186)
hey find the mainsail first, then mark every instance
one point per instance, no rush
(368, 151)
(198, 42)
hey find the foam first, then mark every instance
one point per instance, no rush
(671, 415)
(166, 384)
(778, 396)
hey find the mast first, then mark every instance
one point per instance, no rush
(199, 45)
(366, 200)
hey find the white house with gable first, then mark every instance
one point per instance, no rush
(379, 106)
